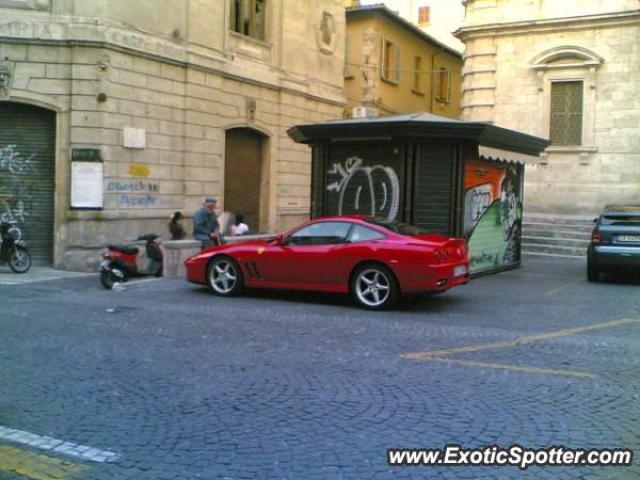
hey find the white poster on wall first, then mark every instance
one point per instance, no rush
(86, 184)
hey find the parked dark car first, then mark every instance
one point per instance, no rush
(615, 241)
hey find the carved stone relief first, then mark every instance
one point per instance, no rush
(326, 36)
(27, 4)
(6, 75)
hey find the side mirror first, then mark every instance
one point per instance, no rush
(279, 240)
(595, 220)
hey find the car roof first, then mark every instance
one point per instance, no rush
(622, 209)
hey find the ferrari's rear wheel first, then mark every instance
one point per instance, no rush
(224, 276)
(374, 287)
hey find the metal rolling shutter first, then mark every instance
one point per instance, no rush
(27, 172)
(433, 188)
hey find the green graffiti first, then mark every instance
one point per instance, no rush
(495, 239)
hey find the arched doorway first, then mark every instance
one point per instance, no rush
(27, 175)
(244, 188)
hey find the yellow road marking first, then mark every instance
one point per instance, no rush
(516, 368)
(427, 355)
(37, 466)
(441, 355)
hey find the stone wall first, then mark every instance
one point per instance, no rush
(507, 75)
(181, 90)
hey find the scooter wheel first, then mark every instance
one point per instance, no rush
(107, 279)
(20, 260)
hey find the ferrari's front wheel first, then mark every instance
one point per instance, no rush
(374, 287)
(224, 276)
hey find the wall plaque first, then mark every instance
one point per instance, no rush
(86, 185)
(86, 155)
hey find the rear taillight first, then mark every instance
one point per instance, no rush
(441, 255)
(595, 237)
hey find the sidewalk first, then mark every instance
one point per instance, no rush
(36, 274)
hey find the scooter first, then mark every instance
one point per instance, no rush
(12, 251)
(121, 262)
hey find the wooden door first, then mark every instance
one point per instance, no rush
(243, 175)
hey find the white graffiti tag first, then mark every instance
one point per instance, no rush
(12, 160)
(17, 214)
(477, 200)
(371, 190)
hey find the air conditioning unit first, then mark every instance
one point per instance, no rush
(363, 112)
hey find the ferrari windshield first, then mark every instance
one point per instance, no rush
(397, 227)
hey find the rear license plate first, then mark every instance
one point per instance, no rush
(628, 238)
(459, 270)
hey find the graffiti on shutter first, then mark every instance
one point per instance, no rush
(15, 198)
(14, 162)
(27, 171)
(365, 190)
(493, 213)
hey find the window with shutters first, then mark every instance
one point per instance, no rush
(567, 80)
(248, 18)
(566, 113)
(418, 76)
(424, 15)
(390, 61)
(443, 85)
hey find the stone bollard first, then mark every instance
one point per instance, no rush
(175, 253)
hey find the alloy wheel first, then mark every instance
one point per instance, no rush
(223, 276)
(373, 287)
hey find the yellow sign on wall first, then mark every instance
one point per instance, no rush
(138, 170)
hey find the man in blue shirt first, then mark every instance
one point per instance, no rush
(205, 224)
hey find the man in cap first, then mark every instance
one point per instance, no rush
(205, 224)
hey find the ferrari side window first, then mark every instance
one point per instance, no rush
(364, 234)
(321, 233)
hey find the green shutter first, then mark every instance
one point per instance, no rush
(432, 184)
(566, 113)
(27, 153)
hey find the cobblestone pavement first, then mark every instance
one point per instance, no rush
(181, 384)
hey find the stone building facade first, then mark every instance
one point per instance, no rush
(114, 114)
(568, 71)
(393, 67)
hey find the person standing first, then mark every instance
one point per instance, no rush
(206, 228)
(176, 228)
(239, 227)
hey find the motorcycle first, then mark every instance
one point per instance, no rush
(13, 251)
(121, 262)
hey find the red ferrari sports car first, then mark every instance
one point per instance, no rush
(374, 260)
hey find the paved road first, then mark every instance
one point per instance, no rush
(180, 384)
